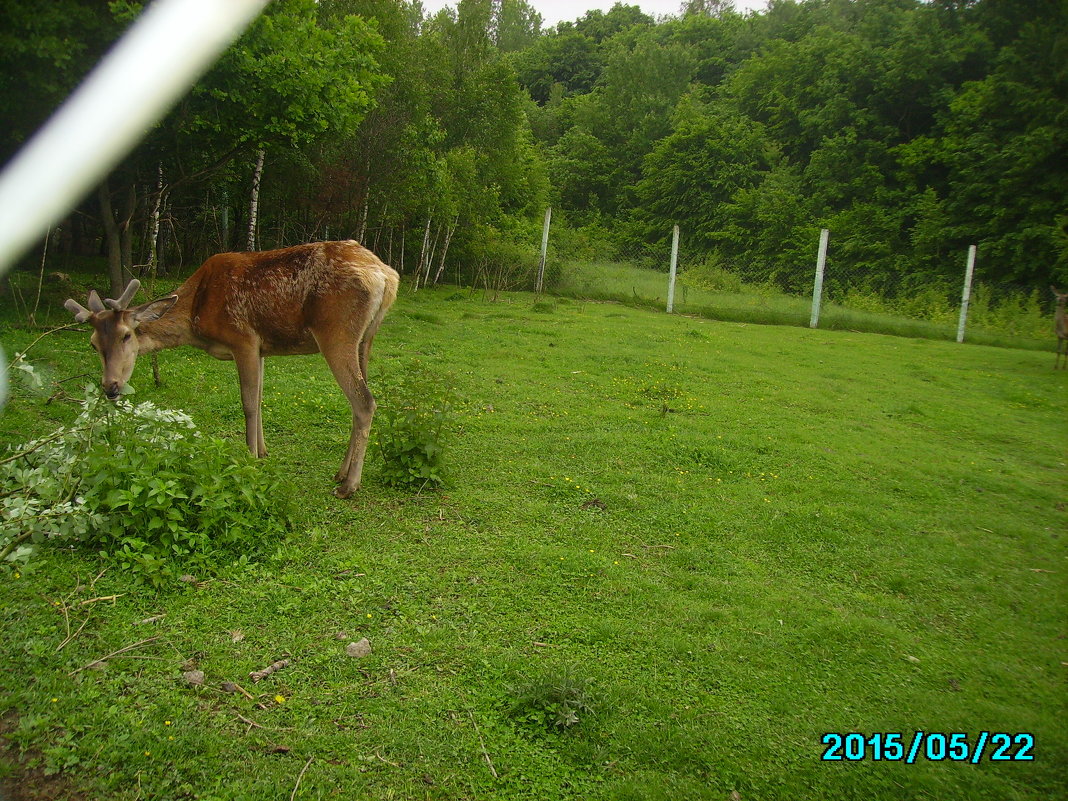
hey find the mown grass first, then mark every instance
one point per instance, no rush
(766, 304)
(735, 537)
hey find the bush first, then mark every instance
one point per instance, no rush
(555, 700)
(410, 428)
(711, 275)
(143, 488)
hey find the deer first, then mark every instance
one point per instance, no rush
(1060, 325)
(323, 297)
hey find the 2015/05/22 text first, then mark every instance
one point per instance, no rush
(932, 746)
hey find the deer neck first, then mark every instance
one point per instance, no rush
(169, 331)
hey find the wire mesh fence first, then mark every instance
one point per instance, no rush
(852, 297)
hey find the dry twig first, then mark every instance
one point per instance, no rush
(114, 654)
(482, 742)
(301, 776)
(259, 675)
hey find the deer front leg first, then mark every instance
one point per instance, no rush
(250, 374)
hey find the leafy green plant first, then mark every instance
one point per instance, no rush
(712, 275)
(142, 487)
(556, 699)
(409, 431)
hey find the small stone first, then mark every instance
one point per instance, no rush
(229, 687)
(188, 579)
(194, 677)
(341, 635)
(359, 649)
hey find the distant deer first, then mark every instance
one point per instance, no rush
(325, 297)
(1061, 326)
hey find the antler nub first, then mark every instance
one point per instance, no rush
(125, 297)
(81, 314)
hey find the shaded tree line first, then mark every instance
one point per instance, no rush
(351, 118)
(909, 128)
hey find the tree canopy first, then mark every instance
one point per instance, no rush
(911, 129)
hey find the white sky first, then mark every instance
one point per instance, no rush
(554, 11)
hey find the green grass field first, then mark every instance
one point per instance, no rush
(737, 538)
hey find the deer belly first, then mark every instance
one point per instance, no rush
(290, 346)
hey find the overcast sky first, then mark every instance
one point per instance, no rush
(554, 11)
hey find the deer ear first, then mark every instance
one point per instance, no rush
(153, 310)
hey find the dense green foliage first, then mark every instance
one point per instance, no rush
(141, 487)
(910, 129)
(410, 431)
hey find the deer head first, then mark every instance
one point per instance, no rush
(115, 331)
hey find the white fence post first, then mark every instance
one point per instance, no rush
(539, 283)
(817, 288)
(674, 268)
(966, 296)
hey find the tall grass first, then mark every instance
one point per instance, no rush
(999, 319)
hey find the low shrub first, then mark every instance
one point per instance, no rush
(554, 700)
(410, 430)
(143, 488)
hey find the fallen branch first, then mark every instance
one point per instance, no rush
(260, 675)
(114, 654)
(26, 350)
(482, 742)
(301, 776)
(101, 598)
(393, 764)
(250, 723)
(70, 636)
(234, 687)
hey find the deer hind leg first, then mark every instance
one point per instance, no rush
(344, 361)
(250, 374)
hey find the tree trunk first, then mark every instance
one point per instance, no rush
(225, 243)
(430, 255)
(112, 238)
(363, 216)
(422, 253)
(254, 200)
(445, 249)
(126, 231)
(153, 250)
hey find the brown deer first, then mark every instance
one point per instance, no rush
(324, 297)
(1061, 327)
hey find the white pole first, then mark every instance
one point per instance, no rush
(674, 268)
(966, 296)
(817, 288)
(539, 284)
(169, 46)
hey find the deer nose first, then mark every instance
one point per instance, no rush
(112, 390)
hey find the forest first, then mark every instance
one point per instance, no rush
(910, 129)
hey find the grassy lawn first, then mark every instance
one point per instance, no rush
(735, 538)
